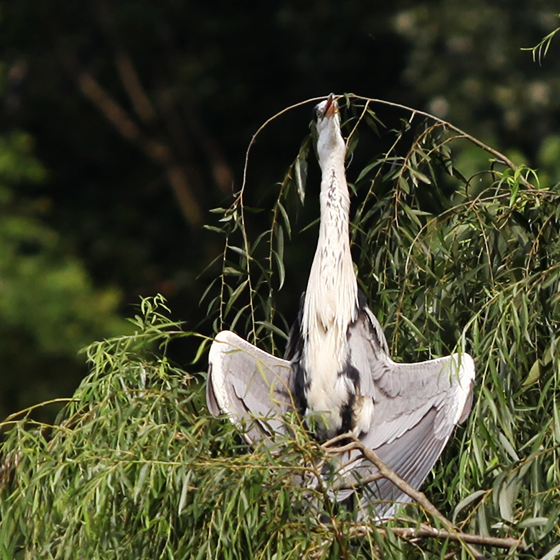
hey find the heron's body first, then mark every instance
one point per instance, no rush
(337, 365)
(331, 299)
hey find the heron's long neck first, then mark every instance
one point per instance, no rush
(331, 297)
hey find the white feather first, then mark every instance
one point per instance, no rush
(332, 291)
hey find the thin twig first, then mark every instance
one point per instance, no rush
(239, 201)
(461, 133)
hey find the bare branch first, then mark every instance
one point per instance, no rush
(425, 531)
(450, 532)
(131, 82)
(177, 174)
(159, 152)
(129, 77)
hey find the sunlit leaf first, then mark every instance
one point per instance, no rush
(534, 374)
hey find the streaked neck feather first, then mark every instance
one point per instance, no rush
(331, 300)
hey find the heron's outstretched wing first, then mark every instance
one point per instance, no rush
(415, 408)
(249, 385)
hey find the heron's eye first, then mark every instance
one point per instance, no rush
(317, 112)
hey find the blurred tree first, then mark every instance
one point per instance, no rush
(466, 64)
(141, 97)
(48, 307)
(138, 110)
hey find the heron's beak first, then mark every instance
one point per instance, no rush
(331, 107)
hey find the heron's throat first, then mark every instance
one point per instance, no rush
(331, 301)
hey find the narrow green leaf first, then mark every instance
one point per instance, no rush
(273, 328)
(287, 224)
(235, 294)
(139, 486)
(403, 185)
(281, 269)
(366, 170)
(508, 447)
(533, 522)
(418, 175)
(534, 374)
(552, 554)
(467, 501)
(556, 417)
(184, 493)
(300, 170)
(201, 350)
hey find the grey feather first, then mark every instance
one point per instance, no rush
(415, 409)
(249, 385)
(416, 406)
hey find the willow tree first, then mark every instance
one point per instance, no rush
(455, 246)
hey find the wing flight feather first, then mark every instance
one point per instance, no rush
(248, 384)
(415, 409)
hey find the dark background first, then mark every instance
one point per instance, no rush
(124, 122)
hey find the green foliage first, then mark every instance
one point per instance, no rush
(134, 468)
(474, 262)
(540, 50)
(193, 82)
(43, 290)
(508, 96)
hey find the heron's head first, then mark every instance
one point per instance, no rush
(329, 140)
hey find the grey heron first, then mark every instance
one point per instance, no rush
(337, 366)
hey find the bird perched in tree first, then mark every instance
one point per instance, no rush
(337, 367)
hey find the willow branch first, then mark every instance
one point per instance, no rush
(392, 476)
(384, 471)
(425, 531)
(460, 133)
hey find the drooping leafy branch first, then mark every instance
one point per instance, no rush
(540, 50)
